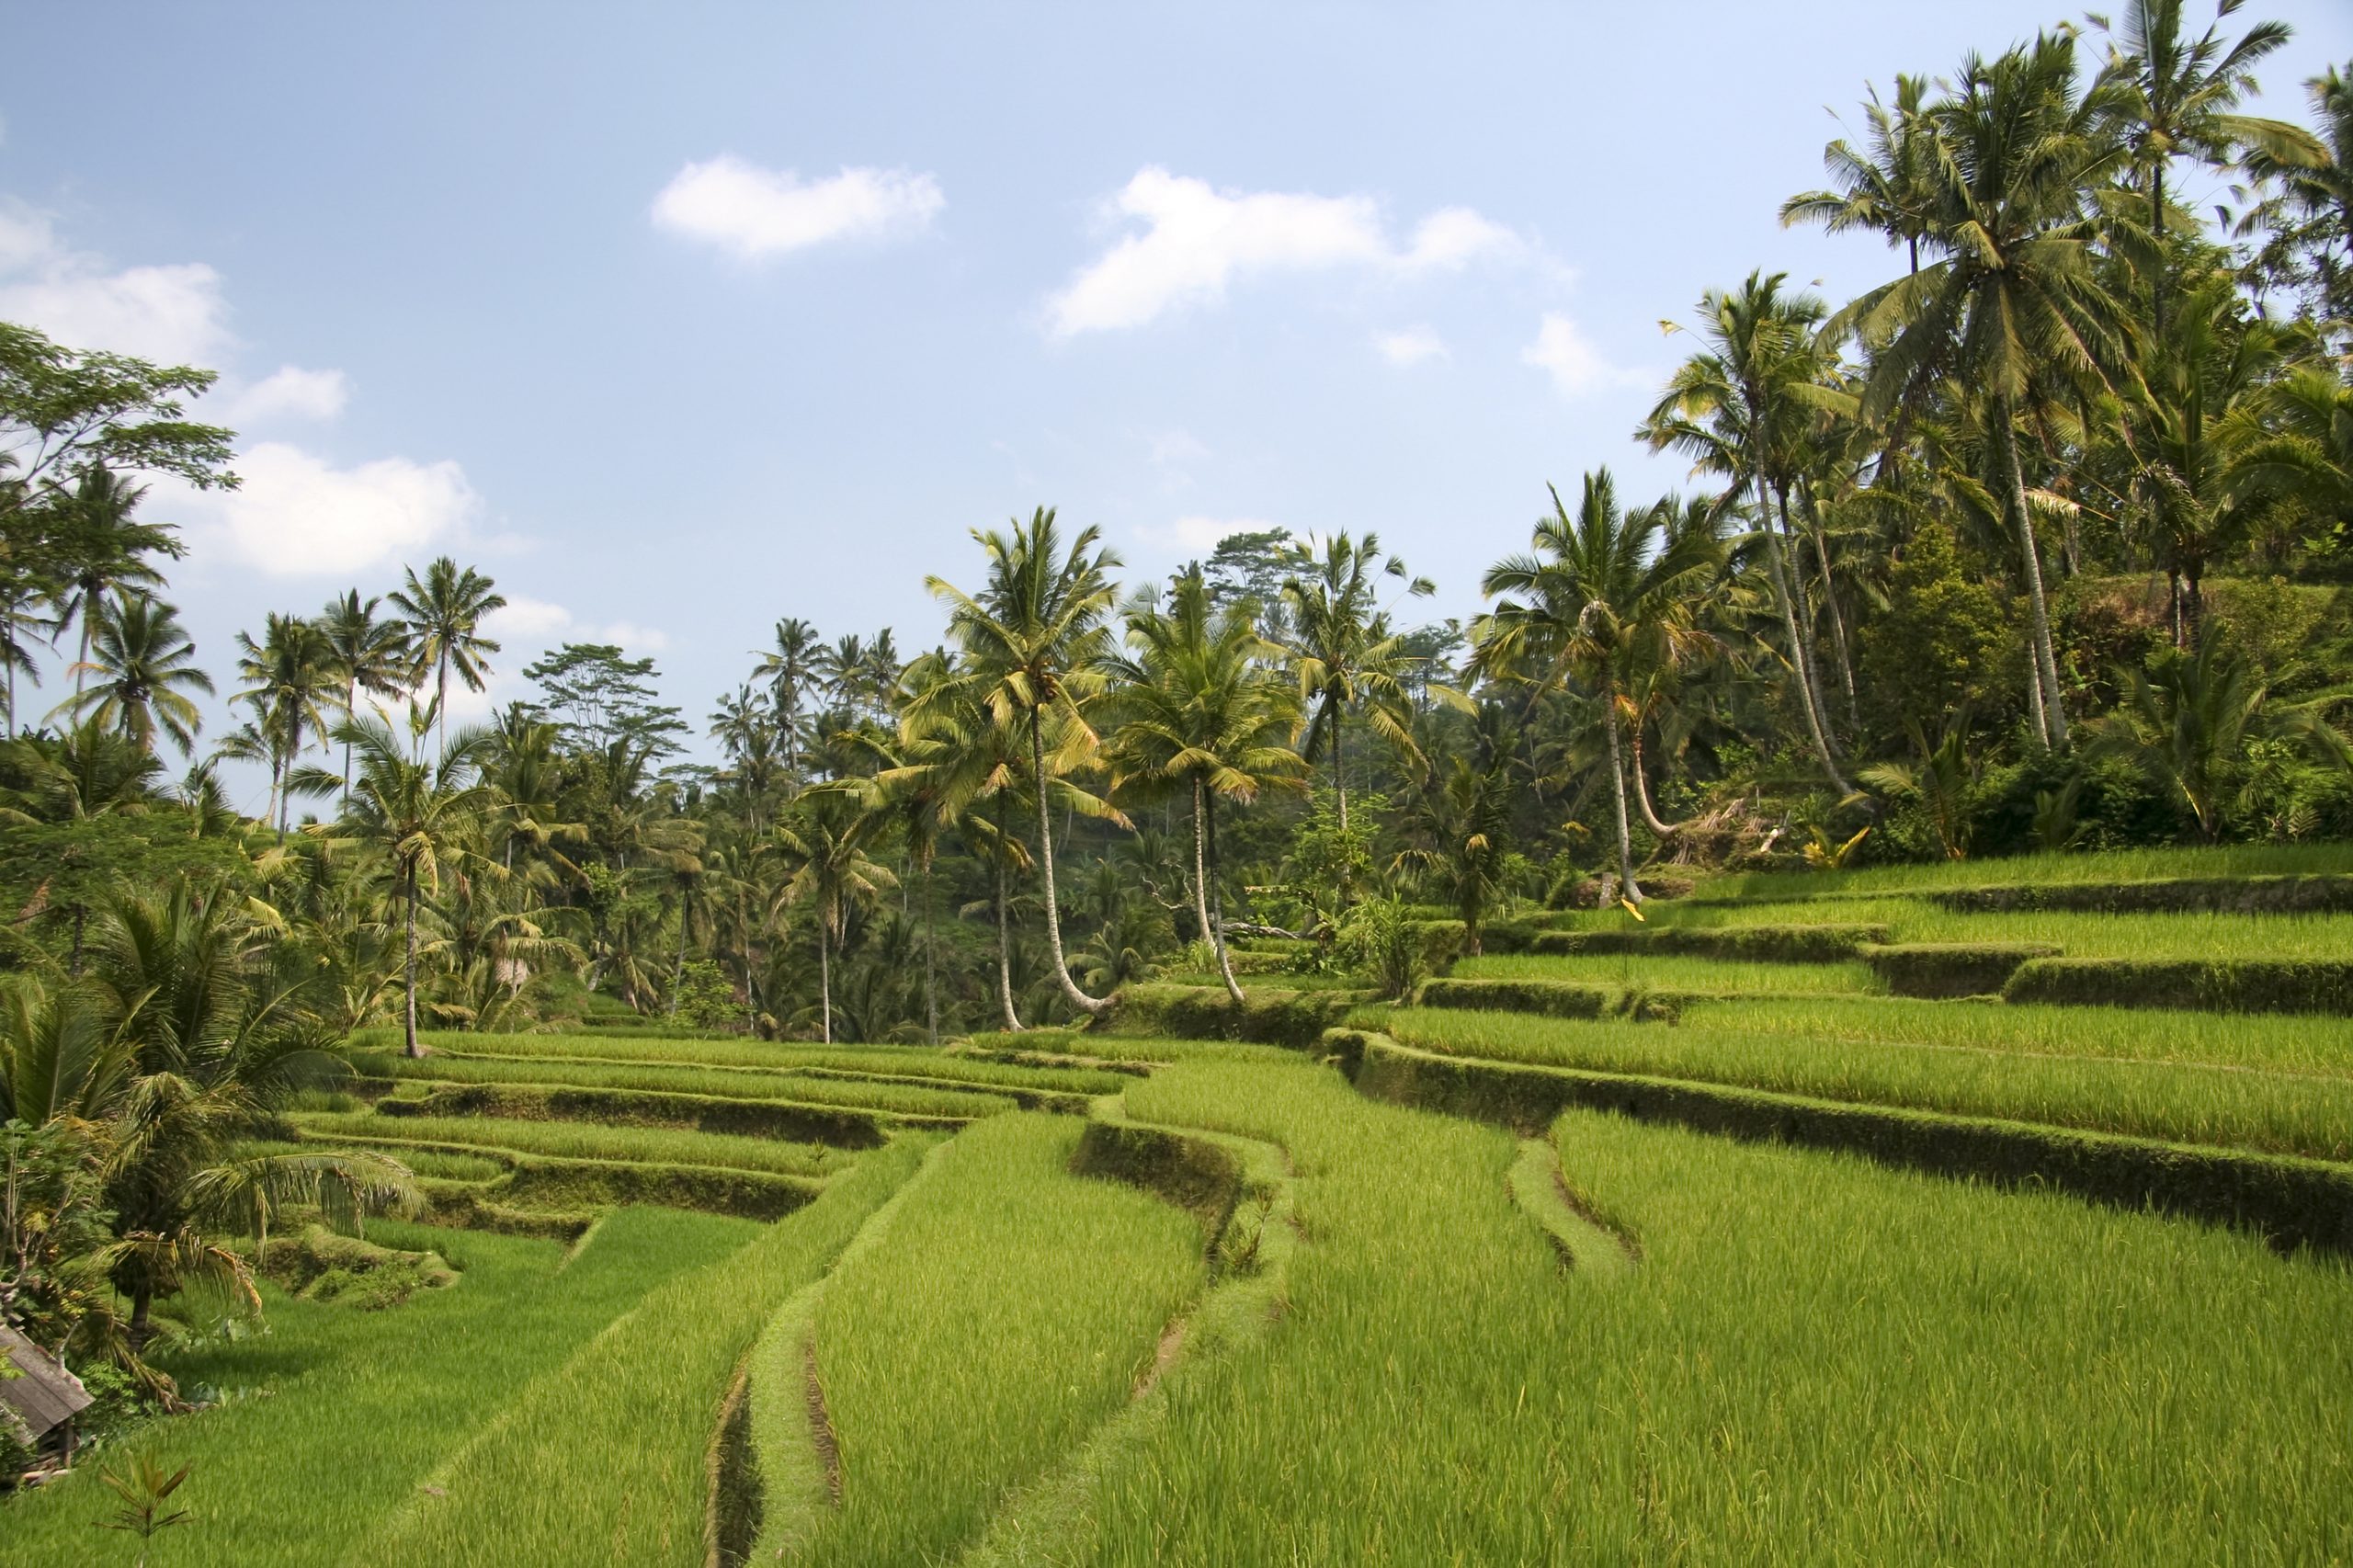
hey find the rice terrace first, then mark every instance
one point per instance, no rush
(1478, 937)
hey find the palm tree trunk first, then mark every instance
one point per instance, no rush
(1210, 933)
(1339, 772)
(1217, 898)
(1801, 606)
(679, 974)
(930, 958)
(824, 983)
(1005, 952)
(1633, 892)
(350, 702)
(2193, 606)
(2046, 662)
(1821, 540)
(1642, 788)
(1079, 999)
(408, 973)
(1797, 643)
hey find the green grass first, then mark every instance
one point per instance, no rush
(721, 1083)
(2271, 1042)
(335, 1418)
(1010, 1311)
(603, 1460)
(438, 1163)
(1674, 974)
(583, 1141)
(2180, 1102)
(1817, 1359)
(2108, 866)
(763, 1056)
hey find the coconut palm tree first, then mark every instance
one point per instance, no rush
(791, 668)
(441, 624)
(292, 677)
(146, 666)
(104, 549)
(2016, 303)
(1198, 709)
(1884, 185)
(1458, 826)
(367, 653)
(826, 839)
(2172, 95)
(1742, 407)
(21, 623)
(410, 816)
(1346, 657)
(1037, 634)
(1602, 594)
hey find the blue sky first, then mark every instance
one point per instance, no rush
(678, 320)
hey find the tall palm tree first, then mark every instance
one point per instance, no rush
(826, 838)
(21, 621)
(292, 676)
(1037, 634)
(104, 549)
(1742, 407)
(2173, 97)
(367, 653)
(146, 664)
(2016, 303)
(1602, 594)
(1347, 659)
(442, 615)
(791, 668)
(411, 816)
(1883, 185)
(1198, 709)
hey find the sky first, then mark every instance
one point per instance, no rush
(679, 320)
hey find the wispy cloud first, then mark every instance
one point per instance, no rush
(1411, 347)
(174, 313)
(755, 213)
(289, 392)
(1563, 352)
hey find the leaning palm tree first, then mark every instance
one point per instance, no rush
(291, 678)
(367, 653)
(827, 840)
(145, 663)
(2016, 303)
(442, 615)
(411, 816)
(1037, 634)
(1347, 659)
(1198, 709)
(1602, 594)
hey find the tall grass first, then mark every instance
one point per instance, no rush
(1674, 972)
(585, 1140)
(2105, 866)
(334, 1417)
(763, 1056)
(721, 1083)
(2180, 1102)
(1010, 1311)
(2093, 935)
(603, 1460)
(1817, 1359)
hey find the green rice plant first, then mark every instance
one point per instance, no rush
(1012, 1309)
(2107, 865)
(2179, 1102)
(1681, 976)
(1815, 1360)
(718, 1081)
(334, 1420)
(586, 1140)
(605, 1458)
(879, 1061)
(440, 1165)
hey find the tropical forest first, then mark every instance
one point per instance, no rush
(1813, 1022)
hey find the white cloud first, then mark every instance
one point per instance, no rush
(1410, 346)
(633, 638)
(753, 213)
(1198, 535)
(524, 619)
(289, 392)
(297, 515)
(1175, 448)
(175, 314)
(1196, 240)
(1564, 352)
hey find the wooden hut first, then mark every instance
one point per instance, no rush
(42, 1400)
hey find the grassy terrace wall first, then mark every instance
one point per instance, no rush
(649, 1107)
(2211, 895)
(1295, 1018)
(1751, 944)
(2291, 1202)
(1550, 998)
(1950, 969)
(2242, 985)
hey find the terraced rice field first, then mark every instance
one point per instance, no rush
(1100, 1297)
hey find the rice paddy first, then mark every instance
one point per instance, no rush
(1307, 1324)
